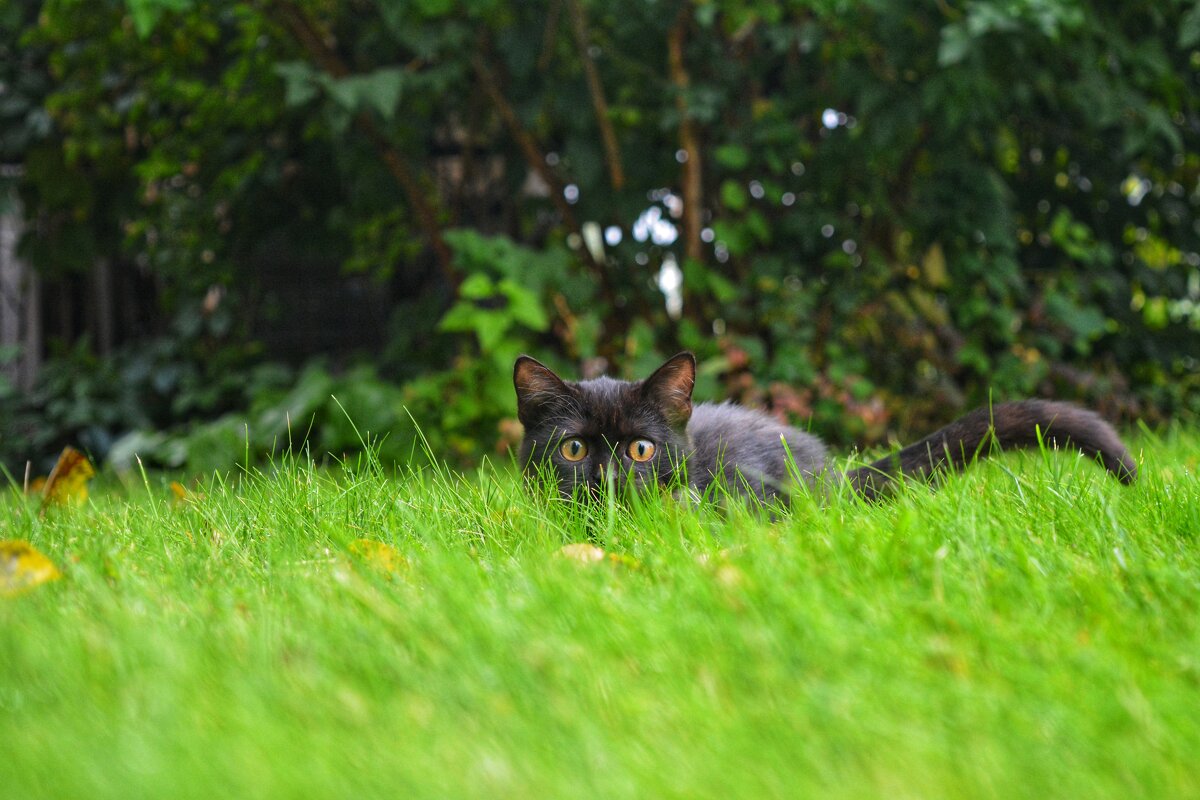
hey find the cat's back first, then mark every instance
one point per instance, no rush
(725, 438)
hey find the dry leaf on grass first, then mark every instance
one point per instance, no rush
(582, 552)
(67, 484)
(22, 567)
(182, 496)
(585, 553)
(379, 555)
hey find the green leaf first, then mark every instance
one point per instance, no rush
(459, 318)
(477, 286)
(381, 90)
(435, 8)
(146, 13)
(734, 234)
(298, 80)
(524, 306)
(733, 156)
(955, 45)
(490, 328)
(1189, 28)
(341, 91)
(733, 196)
(724, 290)
(757, 226)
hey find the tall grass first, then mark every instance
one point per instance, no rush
(1029, 629)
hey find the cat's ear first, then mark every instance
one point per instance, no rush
(538, 388)
(670, 388)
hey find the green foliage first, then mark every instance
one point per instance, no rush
(92, 402)
(902, 210)
(312, 412)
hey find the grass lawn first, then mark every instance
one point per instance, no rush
(1032, 629)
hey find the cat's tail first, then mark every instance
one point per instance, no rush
(1002, 426)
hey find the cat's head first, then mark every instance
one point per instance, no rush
(581, 433)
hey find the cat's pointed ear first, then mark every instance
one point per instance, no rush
(538, 388)
(670, 388)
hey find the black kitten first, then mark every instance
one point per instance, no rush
(590, 432)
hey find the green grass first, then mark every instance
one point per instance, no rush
(1028, 630)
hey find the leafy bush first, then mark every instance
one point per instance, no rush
(868, 217)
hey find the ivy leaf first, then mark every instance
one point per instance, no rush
(146, 13)
(341, 91)
(381, 90)
(955, 45)
(1189, 28)
(299, 82)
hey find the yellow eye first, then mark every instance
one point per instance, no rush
(641, 450)
(573, 449)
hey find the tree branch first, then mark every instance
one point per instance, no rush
(612, 150)
(321, 51)
(525, 143)
(549, 34)
(689, 141)
(537, 162)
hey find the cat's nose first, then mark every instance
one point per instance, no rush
(604, 472)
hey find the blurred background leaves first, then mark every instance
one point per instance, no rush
(866, 217)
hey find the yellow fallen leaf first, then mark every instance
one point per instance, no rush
(729, 576)
(67, 483)
(585, 553)
(22, 567)
(582, 552)
(379, 555)
(181, 495)
(623, 560)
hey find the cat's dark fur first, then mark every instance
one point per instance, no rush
(588, 432)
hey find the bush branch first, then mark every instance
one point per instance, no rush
(318, 48)
(689, 141)
(612, 150)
